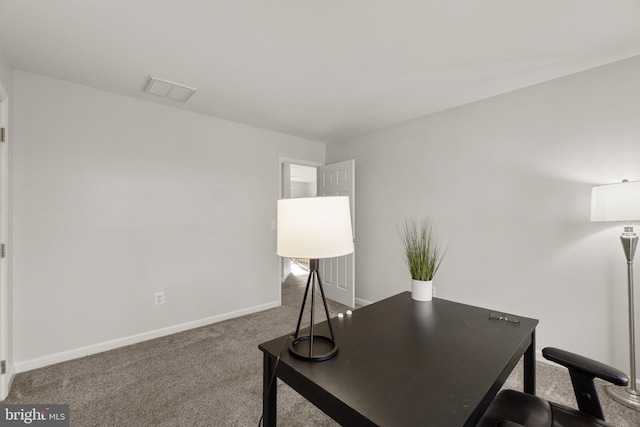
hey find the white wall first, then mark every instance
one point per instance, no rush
(116, 199)
(6, 73)
(508, 182)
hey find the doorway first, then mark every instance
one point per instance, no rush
(309, 179)
(298, 180)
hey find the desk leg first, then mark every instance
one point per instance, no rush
(530, 366)
(269, 392)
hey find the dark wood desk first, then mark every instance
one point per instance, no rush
(407, 363)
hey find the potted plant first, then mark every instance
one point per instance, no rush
(422, 254)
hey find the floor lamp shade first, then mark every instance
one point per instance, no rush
(621, 202)
(314, 227)
(616, 202)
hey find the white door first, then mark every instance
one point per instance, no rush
(4, 211)
(338, 274)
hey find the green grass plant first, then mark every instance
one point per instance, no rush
(422, 252)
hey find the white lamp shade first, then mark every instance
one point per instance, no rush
(616, 202)
(314, 227)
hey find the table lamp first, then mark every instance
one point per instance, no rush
(314, 228)
(621, 202)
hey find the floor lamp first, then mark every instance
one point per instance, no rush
(314, 228)
(621, 202)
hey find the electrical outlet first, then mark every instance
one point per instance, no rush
(158, 298)
(433, 291)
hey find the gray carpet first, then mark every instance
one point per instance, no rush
(212, 376)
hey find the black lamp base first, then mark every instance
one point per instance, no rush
(312, 347)
(324, 348)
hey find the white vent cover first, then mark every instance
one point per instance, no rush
(167, 89)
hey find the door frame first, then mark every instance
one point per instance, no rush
(5, 306)
(282, 160)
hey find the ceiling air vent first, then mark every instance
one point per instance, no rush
(167, 89)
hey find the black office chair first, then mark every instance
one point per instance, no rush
(514, 409)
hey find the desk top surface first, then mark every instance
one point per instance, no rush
(407, 363)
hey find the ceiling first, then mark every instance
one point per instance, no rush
(319, 69)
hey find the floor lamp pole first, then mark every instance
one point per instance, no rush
(629, 396)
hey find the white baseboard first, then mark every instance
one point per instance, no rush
(64, 356)
(362, 302)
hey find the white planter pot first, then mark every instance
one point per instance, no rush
(421, 290)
